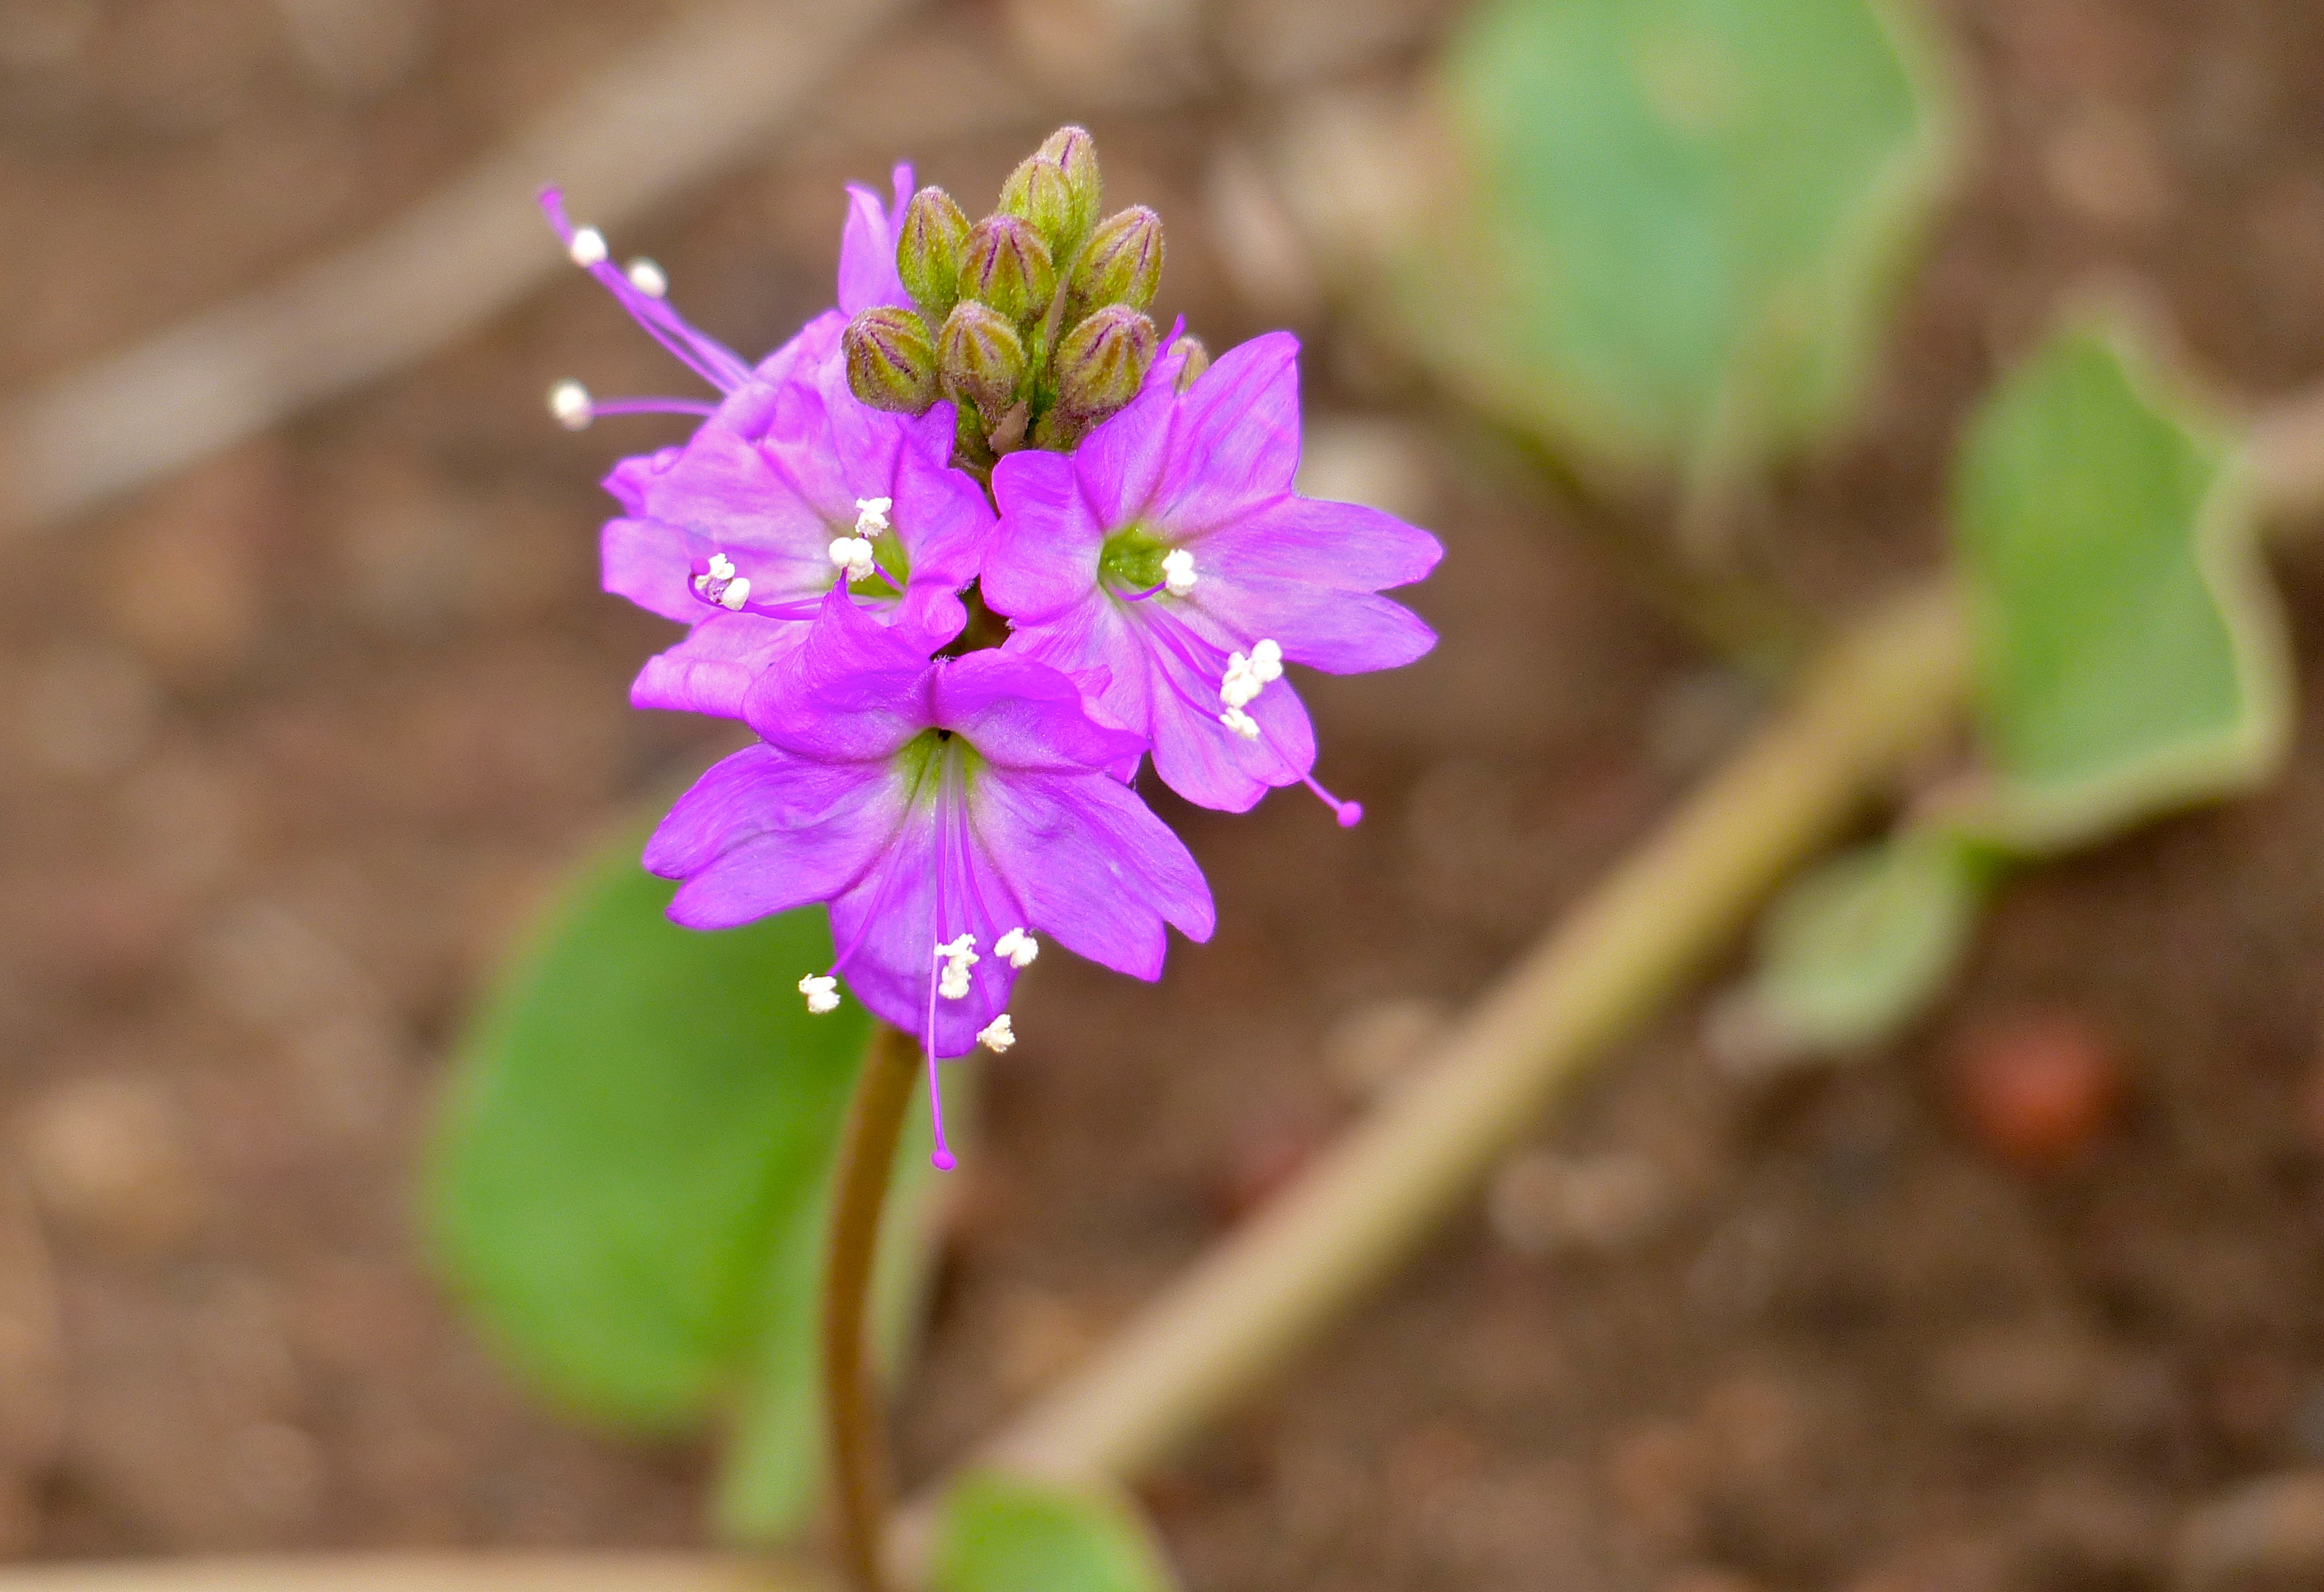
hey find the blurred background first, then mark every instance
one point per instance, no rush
(300, 736)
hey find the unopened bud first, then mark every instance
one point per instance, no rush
(1073, 148)
(1046, 192)
(982, 358)
(1193, 359)
(929, 247)
(890, 364)
(1122, 264)
(1007, 268)
(1101, 365)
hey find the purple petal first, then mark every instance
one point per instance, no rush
(1044, 553)
(712, 668)
(1339, 632)
(1235, 436)
(1021, 714)
(651, 564)
(749, 409)
(1294, 539)
(764, 832)
(935, 882)
(1099, 871)
(867, 248)
(853, 691)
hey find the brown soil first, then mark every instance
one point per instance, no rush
(298, 739)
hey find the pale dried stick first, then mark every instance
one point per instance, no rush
(1875, 702)
(705, 94)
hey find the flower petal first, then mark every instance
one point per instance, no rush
(764, 832)
(711, 670)
(867, 248)
(1099, 872)
(1346, 546)
(1021, 714)
(1235, 436)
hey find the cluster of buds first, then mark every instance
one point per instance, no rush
(1031, 322)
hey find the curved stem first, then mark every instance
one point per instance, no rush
(852, 1416)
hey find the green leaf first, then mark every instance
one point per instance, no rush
(1684, 222)
(2131, 655)
(997, 1532)
(630, 1175)
(1859, 946)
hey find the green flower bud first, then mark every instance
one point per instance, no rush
(890, 364)
(929, 248)
(1193, 359)
(1006, 267)
(1101, 365)
(1057, 190)
(981, 359)
(1073, 149)
(1122, 264)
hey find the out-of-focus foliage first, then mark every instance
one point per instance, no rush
(1863, 939)
(1004, 1533)
(2131, 659)
(1683, 222)
(632, 1170)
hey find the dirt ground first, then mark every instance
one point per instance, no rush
(295, 742)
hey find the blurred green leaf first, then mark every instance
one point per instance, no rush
(631, 1168)
(2131, 655)
(1860, 945)
(997, 1532)
(1685, 221)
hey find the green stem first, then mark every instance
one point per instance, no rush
(1879, 700)
(858, 1449)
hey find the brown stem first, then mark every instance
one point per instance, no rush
(852, 1414)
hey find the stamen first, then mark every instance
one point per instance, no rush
(997, 1035)
(706, 356)
(853, 553)
(1241, 722)
(1018, 947)
(822, 993)
(569, 402)
(587, 248)
(1179, 571)
(871, 516)
(647, 278)
(722, 585)
(957, 957)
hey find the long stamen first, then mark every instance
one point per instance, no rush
(1164, 626)
(943, 1157)
(704, 355)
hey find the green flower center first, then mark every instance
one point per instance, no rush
(1133, 555)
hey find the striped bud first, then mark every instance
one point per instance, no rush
(980, 358)
(1122, 264)
(890, 364)
(928, 249)
(1102, 364)
(1006, 267)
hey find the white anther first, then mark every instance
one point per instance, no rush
(722, 585)
(871, 515)
(587, 248)
(997, 1035)
(1179, 571)
(822, 993)
(853, 555)
(1266, 662)
(1018, 946)
(570, 401)
(958, 957)
(647, 278)
(1241, 722)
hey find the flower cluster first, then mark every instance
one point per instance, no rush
(963, 553)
